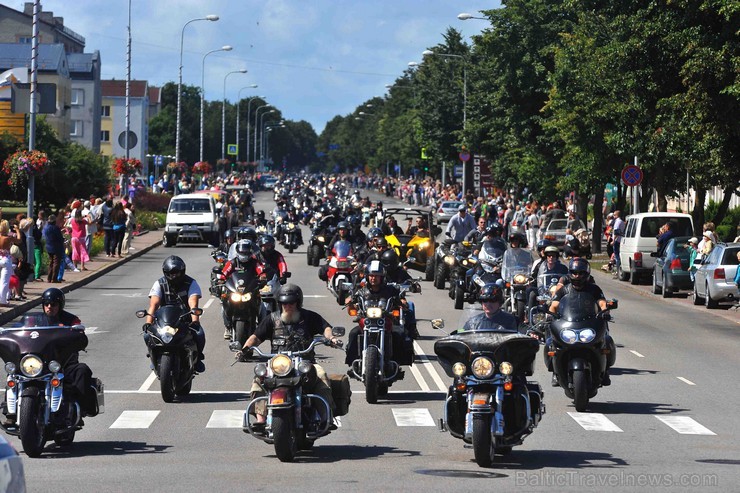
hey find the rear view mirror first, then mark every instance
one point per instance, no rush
(141, 314)
(287, 275)
(612, 304)
(216, 270)
(338, 331)
(197, 311)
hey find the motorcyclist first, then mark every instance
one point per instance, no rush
(538, 264)
(579, 279)
(492, 297)
(272, 260)
(390, 227)
(421, 228)
(229, 238)
(516, 254)
(552, 267)
(244, 233)
(343, 233)
(461, 224)
(177, 288)
(297, 326)
(477, 235)
(358, 237)
(380, 245)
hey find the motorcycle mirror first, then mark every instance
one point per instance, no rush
(141, 314)
(216, 270)
(287, 275)
(234, 346)
(612, 304)
(438, 323)
(338, 331)
(197, 311)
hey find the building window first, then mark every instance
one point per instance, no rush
(78, 97)
(105, 111)
(76, 129)
(26, 40)
(105, 136)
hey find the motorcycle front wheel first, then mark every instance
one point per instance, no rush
(284, 434)
(482, 444)
(167, 377)
(372, 385)
(580, 390)
(31, 425)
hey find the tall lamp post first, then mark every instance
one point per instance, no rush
(179, 81)
(203, 92)
(223, 112)
(249, 119)
(262, 134)
(238, 100)
(264, 150)
(256, 115)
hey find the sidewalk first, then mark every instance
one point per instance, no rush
(98, 266)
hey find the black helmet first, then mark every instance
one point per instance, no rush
(173, 269)
(542, 244)
(247, 233)
(343, 225)
(266, 240)
(491, 292)
(495, 229)
(390, 260)
(374, 233)
(379, 204)
(53, 295)
(228, 234)
(290, 293)
(381, 242)
(355, 220)
(244, 250)
(518, 238)
(579, 270)
(375, 268)
(261, 214)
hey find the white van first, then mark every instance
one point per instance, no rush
(191, 217)
(640, 240)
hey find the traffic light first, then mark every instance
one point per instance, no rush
(424, 153)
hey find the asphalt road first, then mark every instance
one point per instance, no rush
(668, 422)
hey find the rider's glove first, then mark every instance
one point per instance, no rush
(146, 327)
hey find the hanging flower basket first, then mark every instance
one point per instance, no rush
(173, 166)
(123, 166)
(202, 167)
(22, 164)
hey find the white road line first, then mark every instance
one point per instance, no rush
(148, 382)
(685, 425)
(246, 392)
(338, 421)
(419, 379)
(315, 296)
(208, 303)
(94, 330)
(412, 417)
(689, 382)
(230, 418)
(430, 368)
(594, 422)
(135, 419)
(636, 354)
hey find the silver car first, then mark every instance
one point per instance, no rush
(446, 210)
(714, 280)
(555, 231)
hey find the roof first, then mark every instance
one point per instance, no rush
(117, 88)
(154, 94)
(80, 62)
(52, 57)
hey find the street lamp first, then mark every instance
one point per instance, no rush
(223, 112)
(238, 100)
(464, 16)
(256, 115)
(267, 139)
(203, 91)
(249, 119)
(179, 81)
(262, 136)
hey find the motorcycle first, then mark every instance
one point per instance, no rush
(490, 403)
(289, 236)
(484, 269)
(172, 349)
(366, 216)
(382, 344)
(445, 260)
(516, 270)
(339, 275)
(579, 349)
(320, 236)
(294, 417)
(268, 294)
(241, 303)
(35, 399)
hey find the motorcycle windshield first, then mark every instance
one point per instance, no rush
(243, 281)
(170, 315)
(342, 249)
(492, 252)
(547, 280)
(34, 334)
(516, 261)
(577, 306)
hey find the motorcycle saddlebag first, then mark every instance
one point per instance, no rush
(403, 350)
(341, 392)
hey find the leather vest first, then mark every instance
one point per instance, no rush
(178, 297)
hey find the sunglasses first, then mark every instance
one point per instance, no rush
(552, 255)
(51, 303)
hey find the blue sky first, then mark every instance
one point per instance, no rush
(312, 59)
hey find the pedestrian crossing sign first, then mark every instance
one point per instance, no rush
(232, 149)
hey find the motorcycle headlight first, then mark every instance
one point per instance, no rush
(291, 225)
(320, 238)
(458, 369)
(482, 367)
(54, 366)
(31, 365)
(568, 336)
(305, 366)
(260, 370)
(166, 333)
(450, 259)
(266, 288)
(506, 368)
(281, 365)
(424, 245)
(374, 312)
(586, 335)
(465, 262)
(236, 297)
(520, 279)
(247, 297)
(10, 368)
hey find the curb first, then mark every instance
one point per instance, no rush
(18, 310)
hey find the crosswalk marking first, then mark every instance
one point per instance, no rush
(685, 425)
(135, 419)
(686, 381)
(429, 367)
(594, 422)
(412, 417)
(226, 418)
(419, 379)
(637, 354)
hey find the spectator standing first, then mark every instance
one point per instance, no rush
(6, 262)
(118, 218)
(533, 227)
(130, 227)
(106, 211)
(54, 241)
(462, 224)
(78, 225)
(91, 225)
(617, 232)
(693, 244)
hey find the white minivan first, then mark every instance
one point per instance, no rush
(640, 240)
(191, 217)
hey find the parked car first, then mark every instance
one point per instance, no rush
(640, 240)
(714, 280)
(671, 271)
(12, 477)
(555, 231)
(446, 210)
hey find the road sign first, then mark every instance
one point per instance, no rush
(464, 156)
(632, 175)
(457, 172)
(158, 160)
(232, 149)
